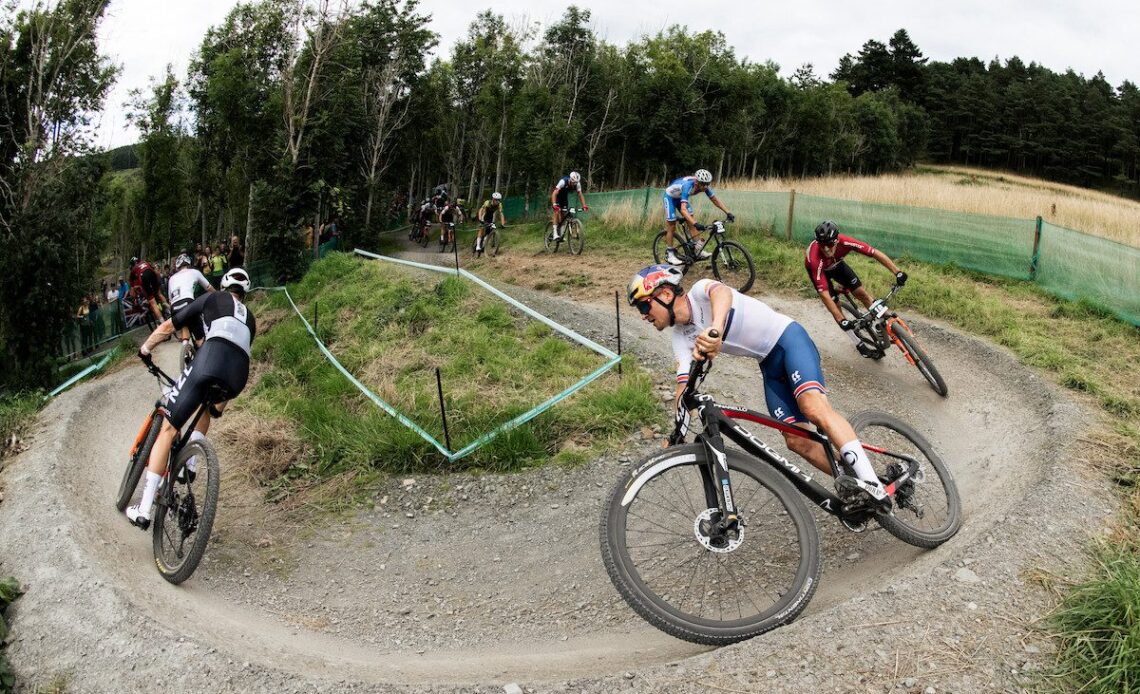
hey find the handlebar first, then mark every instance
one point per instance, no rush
(872, 315)
(697, 372)
(158, 373)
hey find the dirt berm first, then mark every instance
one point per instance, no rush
(468, 583)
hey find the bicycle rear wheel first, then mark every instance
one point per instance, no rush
(928, 510)
(138, 461)
(575, 236)
(732, 265)
(658, 554)
(184, 515)
(659, 247)
(550, 242)
(917, 356)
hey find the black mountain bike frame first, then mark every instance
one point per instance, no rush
(716, 232)
(214, 395)
(718, 423)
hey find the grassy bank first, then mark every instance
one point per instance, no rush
(392, 328)
(17, 413)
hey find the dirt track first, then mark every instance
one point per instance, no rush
(498, 579)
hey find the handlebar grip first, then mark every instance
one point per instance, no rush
(714, 333)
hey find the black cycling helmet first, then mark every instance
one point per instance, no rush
(827, 232)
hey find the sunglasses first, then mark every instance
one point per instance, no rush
(644, 307)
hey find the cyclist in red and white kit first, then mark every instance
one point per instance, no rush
(144, 280)
(824, 263)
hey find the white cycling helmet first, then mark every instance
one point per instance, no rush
(236, 277)
(496, 196)
(575, 177)
(183, 261)
(703, 176)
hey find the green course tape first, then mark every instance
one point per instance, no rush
(98, 366)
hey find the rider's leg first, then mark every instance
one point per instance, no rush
(153, 304)
(863, 296)
(556, 220)
(816, 407)
(808, 450)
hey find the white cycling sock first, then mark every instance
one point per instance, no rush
(150, 488)
(192, 464)
(856, 458)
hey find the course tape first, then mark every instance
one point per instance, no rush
(612, 360)
(97, 366)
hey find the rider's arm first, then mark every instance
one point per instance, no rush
(203, 282)
(554, 194)
(161, 334)
(502, 217)
(720, 296)
(716, 201)
(581, 198)
(832, 307)
(686, 213)
(886, 261)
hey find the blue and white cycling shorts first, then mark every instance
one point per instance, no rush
(672, 207)
(791, 369)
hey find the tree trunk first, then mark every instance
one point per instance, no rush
(249, 246)
(499, 156)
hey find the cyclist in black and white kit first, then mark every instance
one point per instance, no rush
(223, 360)
(181, 285)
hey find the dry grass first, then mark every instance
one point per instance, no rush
(976, 191)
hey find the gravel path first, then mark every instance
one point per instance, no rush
(466, 583)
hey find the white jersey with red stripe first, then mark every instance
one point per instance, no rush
(752, 329)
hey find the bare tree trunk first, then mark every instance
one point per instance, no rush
(249, 246)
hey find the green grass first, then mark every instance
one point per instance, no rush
(17, 412)
(392, 327)
(1098, 624)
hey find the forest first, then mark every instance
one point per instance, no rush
(297, 110)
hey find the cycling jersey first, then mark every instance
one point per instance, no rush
(450, 214)
(488, 211)
(182, 286)
(818, 264)
(788, 358)
(223, 317)
(145, 278)
(678, 192)
(563, 189)
(751, 330)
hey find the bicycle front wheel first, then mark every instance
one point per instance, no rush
(928, 510)
(185, 514)
(917, 356)
(732, 265)
(138, 461)
(575, 236)
(659, 555)
(491, 244)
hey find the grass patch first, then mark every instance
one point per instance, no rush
(392, 328)
(1098, 624)
(17, 412)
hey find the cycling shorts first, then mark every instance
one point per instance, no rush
(217, 363)
(791, 369)
(149, 283)
(197, 329)
(844, 276)
(673, 207)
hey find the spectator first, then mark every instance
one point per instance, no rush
(84, 325)
(95, 317)
(202, 262)
(308, 233)
(218, 262)
(110, 292)
(237, 253)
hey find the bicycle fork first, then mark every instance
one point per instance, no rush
(718, 488)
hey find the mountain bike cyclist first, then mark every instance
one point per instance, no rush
(794, 388)
(440, 197)
(144, 281)
(560, 199)
(223, 360)
(486, 217)
(182, 284)
(426, 216)
(449, 216)
(824, 264)
(676, 200)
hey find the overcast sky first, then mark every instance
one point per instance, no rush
(144, 35)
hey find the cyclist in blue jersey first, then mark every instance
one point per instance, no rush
(677, 201)
(560, 199)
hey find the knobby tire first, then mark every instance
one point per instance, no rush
(922, 362)
(174, 568)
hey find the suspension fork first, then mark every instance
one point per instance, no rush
(718, 488)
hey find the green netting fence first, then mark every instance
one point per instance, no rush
(1067, 263)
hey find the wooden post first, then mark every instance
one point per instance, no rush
(316, 314)
(1036, 251)
(791, 213)
(645, 205)
(442, 408)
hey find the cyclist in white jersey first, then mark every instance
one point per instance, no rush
(182, 284)
(794, 388)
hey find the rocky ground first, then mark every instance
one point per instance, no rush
(482, 583)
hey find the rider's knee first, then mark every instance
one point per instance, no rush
(797, 444)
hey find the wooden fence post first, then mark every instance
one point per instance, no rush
(791, 212)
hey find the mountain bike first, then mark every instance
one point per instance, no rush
(715, 546)
(570, 230)
(490, 241)
(446, 236)
(187, 499)
(879, 328)
(731, 263)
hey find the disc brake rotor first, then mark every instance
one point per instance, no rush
(721, 544)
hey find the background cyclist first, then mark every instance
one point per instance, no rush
(794, 389)
(560, 199)
(182, 284)
(486, 217)
(145, 282)
(677, 201)
(824, 264)
(222, 360)
(449, 216)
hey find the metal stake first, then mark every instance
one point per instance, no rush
(617, 313)
(442, 408)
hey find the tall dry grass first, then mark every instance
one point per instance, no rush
(976, 191)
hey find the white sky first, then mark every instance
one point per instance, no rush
(144, 35)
